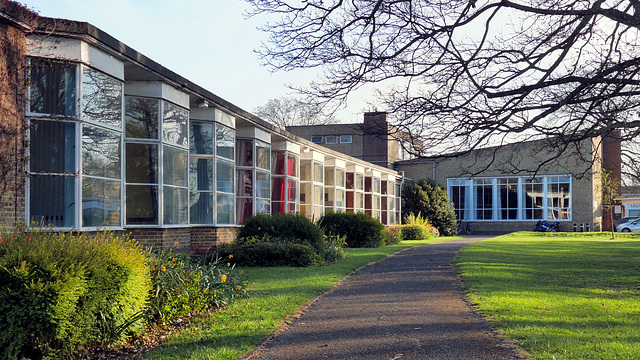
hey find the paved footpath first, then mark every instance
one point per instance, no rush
(407, 306)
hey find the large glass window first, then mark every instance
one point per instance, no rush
(142, 179)
(92, 136)
(512, 198)
(559, 198)
(483, 190)
(284, 182)
(508, 198)
(253, 184)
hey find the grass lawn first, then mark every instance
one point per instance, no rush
(275, 294)
(560, 295)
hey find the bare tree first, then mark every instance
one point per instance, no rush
(464, 74)
(285, 111)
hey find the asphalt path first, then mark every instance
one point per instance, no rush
(407, 306)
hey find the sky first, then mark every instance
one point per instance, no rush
(209, 42)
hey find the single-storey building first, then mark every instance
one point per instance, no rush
(95, 135)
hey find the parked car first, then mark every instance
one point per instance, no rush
(623, 221)
(630, 226)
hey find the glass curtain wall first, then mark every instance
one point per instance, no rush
(511, 198)
(156, 137)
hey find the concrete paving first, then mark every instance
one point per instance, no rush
(407, 306)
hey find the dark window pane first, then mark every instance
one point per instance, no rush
(201, 138)
(142, 205)
(52, 146)
(142, 163)
(52, 200)
(52, 87)
(201, 174)
(245, 153)
(141, 118)
(201, 206)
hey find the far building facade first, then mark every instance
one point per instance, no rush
(500, 189)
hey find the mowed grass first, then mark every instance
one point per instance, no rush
(559, 296)
(275, 295)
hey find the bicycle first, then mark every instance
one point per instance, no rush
(466, 228)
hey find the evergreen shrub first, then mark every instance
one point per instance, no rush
(60, 291)
(359, 229)
(263, 252)
(294, 228)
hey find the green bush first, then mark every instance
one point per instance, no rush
(294, 228)
(415, 232)
(360, 230)
(256, 252)
(183, 284)
(60, 291)
(428, 197)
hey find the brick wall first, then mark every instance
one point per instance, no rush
(194, 240)
(523, 159)
(12, 125)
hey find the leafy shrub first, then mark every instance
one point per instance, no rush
(334, 248)
(360, 230)
(393, 234)
(294, 228)
(183, 284)
(262, 252)
(415, 232)
(60, 290)
(417, 228)
(428, 197)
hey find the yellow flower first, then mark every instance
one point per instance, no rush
(153, 268)
(238, 287)
(223, 278)
(164, 269)
(228, 264)
(176, 243)
(230, 256)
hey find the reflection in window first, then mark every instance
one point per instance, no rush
(201, 138)
(100, 202)
(225, 192)
(101, 98)
(174, 124)
(225, 140)
(52, 87)
(141, 120)
(263, 155)
(100, 152)
(201, 190)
